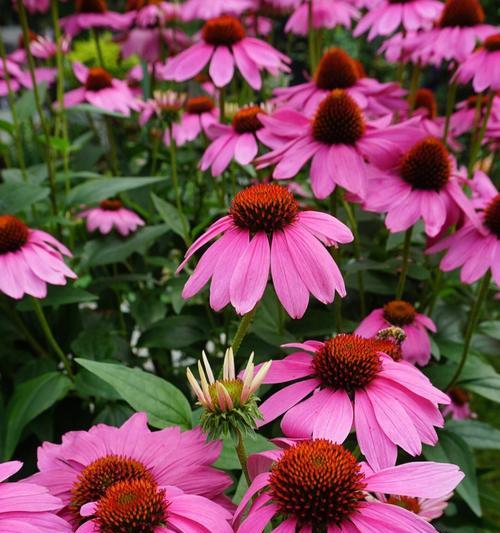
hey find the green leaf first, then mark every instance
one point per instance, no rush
(175, 332)
(491, 328)
(164, 404)
(170, 215)
(96, 189)
(228, 460)
(60, 295)
(88, 108)
(30, 399)
(269, 321)
(16, 197)
(113, 249)
(477, 435)
(25, 105)
(453, 449)
(486, 387)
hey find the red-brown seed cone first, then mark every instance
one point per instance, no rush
(13, 234)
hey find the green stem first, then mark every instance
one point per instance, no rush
(435, 291)
(242, 330)
(98, 48)
(50, 337)
(357, 253)
(476, 144)
(154, 154)
(175, 181)
(45, 127)
(404, 267)
(222, 104)
(115, 166)
(471, 325)
(450, 104)
(414, 83)
(242, 454)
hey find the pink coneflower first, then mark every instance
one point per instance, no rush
(424, 184)
(165, 105)
(201, 9)
(482, 66)
(41, 47)
(238, 141)
(354, 381)
(338, 139)
(199, 115)
(26, 507)
(459, 408)
(387, 16)
(141, 505)
(17, 78)
(400, 47)
(101, 90)
(325, 14)
(111, 215)
(224, 45)
(338, 70)
(35, 6)
(317, 485)
(416, 348)
(459, 27)
(475, 246)
(265, 231)
(88, 462)
(29, 259)
(94, 14)
(150, 43)
(463, 119)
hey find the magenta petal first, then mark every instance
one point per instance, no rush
(221, 66)
(192, 61)
(246, 148)
(247, 67)
(375, 517)
(334, 421)
(259, 482)
(257, 521)
(299, 421)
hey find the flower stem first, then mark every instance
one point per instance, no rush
(357, 253)
(476, 143)
(115, 167)
(404, 267)
(98, 48)
(450, 104)
(50, 337)
(471, 325)
(242, 454)
(414, 83)
(38, 104)
(175, 181)
(222, 104)
(242, 330)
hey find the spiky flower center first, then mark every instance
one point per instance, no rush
(246, 120)
(98, 79)
(136, 506)
(492, 216)
(347, 362)
(399, 313)
(13, 234)
(492, 43)
(223, 31)
(389, 347)
(97, 477)
(425, 99)
(91, 6)
(406, 502)
(459, 396)
(111, 205)
(461, 13)
(199, 105)
(265, 207)
(426, 166)
(338, 120)
(232, 386)
(318, 483)
(336, 70)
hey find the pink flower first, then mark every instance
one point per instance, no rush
(353, 381)
(459, 408)
(111, 215)
(35, 6)
(483, 189)
(463, 119)
(94, 14)
(387, 16)
(400, 47)
(142, 505)
(200, 115)
(29, 259)
(88, 462)
(454, 37)
(101, 90)
(295, 483)
(416, 348)
(201, 9)
(482, 66)
(325, 14)
(26, 507)
(238, 141)
(338, 139)
(147, 43)
(337, 70)
(423, 184)
(224, 45)
(475, 247)
(164, 105)
(264, 231)
(17, 78)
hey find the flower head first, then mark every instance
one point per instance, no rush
(353, 381)
(111, 215)
(265, 232)
(459, 408)
(166, 105)
(230, 404)
(224, 45)
(317, 484)
(416, 346)
(30, 259)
